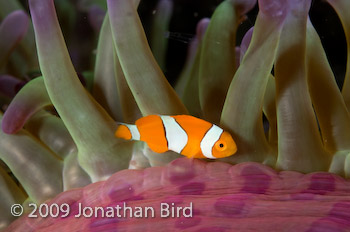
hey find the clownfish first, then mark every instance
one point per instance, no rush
(184, 134)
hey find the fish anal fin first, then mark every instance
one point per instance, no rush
(156, 148)
(150, 120)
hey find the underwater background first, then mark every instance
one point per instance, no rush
(272, 73)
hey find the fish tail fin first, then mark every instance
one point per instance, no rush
(127, 131)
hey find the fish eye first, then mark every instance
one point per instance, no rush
(220, 145)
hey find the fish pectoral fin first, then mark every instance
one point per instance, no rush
(156, 148)
(193, 156)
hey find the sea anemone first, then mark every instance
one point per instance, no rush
(60, 154)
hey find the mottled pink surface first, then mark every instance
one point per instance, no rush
(243, 197)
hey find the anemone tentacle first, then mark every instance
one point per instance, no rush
(118, 91)
(10, 194)
(190, 92)
(302, 149)
(142, 69)
(30, 99)
(325, 94)
(105, 87)
(160, 28)
(340, 7)
(219, 42)
(12, 34)
(250, 83)
(63, 85)
(10, 85)
(36, 167)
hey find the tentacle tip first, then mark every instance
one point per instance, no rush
(244, 6)
(96, 15)
(6, 129)
(202, 27)
(274, 9)
(246, 41)
(22, 16)
(7, 125)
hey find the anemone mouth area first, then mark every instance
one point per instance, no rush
(202, 196)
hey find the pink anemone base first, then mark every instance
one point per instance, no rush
(243, 197)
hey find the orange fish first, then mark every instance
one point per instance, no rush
(184, 134)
